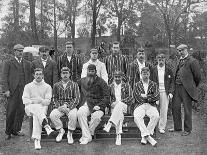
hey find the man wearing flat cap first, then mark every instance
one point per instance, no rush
(66, 97)
(95, 96)
(187, 79)
(71, 60)
(163, 76)
(121, 99)
(48, 66)
(136, 66)
(16, 74)
(146, 94)
(100, 66)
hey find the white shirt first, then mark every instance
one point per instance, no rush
(18, 60)
(100, 68)
(69, 58)
(161, 75)
(44, 62)
(141, 65)
(145, 87)
(117, 89)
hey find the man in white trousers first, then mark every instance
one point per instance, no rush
(146, 94)
(36, 97)
(163, 76)
(66, 97)
(100, 66)
(95, 96)
(121, 97)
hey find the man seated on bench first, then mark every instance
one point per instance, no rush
(36, 97)
(95, 96)
(146, 94)
(66, 96)
(121, 98)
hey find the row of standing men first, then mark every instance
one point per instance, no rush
(183, 86)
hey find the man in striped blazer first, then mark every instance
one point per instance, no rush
(146, 94)
(136, 66)
(66, 97)
(116, 62)
(71, 60)
(121, 99)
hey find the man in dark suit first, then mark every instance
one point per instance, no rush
(16, 73)
(135, 67)
(163, 76)
(95, 96)
(187, 79)
(116, 62)
(48, 66)
(71, 60)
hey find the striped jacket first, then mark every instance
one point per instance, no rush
(70, 95)
(153, 94)
(116, 63)
(74, 65)
(134, 73)
(126, 93)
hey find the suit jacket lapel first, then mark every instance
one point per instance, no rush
(47, 62)
(15, 62)
(40, 62)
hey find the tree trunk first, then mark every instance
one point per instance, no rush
(41, 23)
(16, 15)
(93, 33)
(119, 28)
(73, 26)
(33, 21)
(55, 30)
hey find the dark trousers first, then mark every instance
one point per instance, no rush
(15, 111)
(182, 96)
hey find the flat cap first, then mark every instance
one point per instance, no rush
(145, 69)
(91, 67)
(18, 47)
(182, 46)
(65, 69)
(161, 56)
(140, 49)
(118, 73)
(44, 48)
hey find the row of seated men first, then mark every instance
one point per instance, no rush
(145, 93)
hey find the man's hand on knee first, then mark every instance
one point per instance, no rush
(96, 108)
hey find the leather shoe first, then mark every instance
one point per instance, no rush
(18, 133)
(173, 130)
(8, 137)
(185, 133)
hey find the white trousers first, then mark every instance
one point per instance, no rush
(152, 113)
(164, 102)
(38, 112)
(117, 116)
(83, 113)
(55, 116)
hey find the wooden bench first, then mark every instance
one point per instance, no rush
(130, 130)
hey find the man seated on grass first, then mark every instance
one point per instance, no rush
(146, 94)
(36, 97)
(121, 98)
(66, 97)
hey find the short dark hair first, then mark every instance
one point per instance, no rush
(65, 69)
(116, 42)
(70, 43)
(38, 69)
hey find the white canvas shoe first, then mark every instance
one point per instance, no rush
(118, 139)
(151, 141)
(48, 129)
(162, 131)
(143, 141)
(70, 137)
(60, 135)
(85, 141)
(37, 144)
(107, 127)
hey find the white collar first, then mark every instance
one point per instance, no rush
(44, 60)
(117, 85)
(160, 68)
(139, 63)
(93, 62)
(18, 59)
(181, 58)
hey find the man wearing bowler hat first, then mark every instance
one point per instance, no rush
(16, 73)
(187, 79)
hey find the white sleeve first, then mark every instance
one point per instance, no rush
(84, 70)
(26, 97)
(104, 74)
(48, 95)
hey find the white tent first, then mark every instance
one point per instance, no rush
(34, 51)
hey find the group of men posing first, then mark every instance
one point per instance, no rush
(79, 91)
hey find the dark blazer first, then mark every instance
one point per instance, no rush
(96, 94)
(134, 73)
(49, 71)
(10, 72)
(75, 66)
(153, 94)
(126, 93)
(190, 76)
(168, 79)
